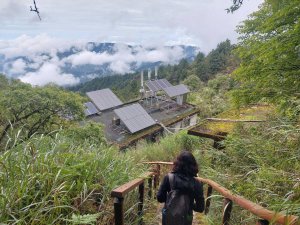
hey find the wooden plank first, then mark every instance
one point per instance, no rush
(234, 121)
(206, 135)
(121, 191)
(256, 209)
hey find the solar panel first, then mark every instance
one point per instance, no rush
(177, 90)
(134, 117)
(157, 85)
(90, 109)
(104, 99)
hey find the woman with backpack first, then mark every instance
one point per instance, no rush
(181, 192)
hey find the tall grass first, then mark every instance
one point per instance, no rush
(67, 178)
(54, 180)
(261, 163)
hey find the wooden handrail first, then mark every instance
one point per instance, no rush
(246, 204)
(234, 121)
(121, 191)
(119, 194)
(254, 208)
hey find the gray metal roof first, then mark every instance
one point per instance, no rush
(104, 99)
(157, 85)
(134, 117)
(177, 90)
(90, 109)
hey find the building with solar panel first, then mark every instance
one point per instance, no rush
(162, 108)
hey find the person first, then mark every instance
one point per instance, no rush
(183, 180)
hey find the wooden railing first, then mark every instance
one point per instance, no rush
(119, 194)
(266, 216)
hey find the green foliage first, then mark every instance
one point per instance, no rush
(45, 180)
(201, 67)
(212, 98)
(90, 134)
(193, 82)
(269, 160)
(48, 180)
(27, 110)
(3, 82)
(269, 51)
(260, 163)
(219, 60)
(125, 86)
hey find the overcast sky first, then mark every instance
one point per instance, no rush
(148, 22)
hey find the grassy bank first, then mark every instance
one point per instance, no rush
(50, 180)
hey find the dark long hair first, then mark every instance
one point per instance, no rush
(186, 164)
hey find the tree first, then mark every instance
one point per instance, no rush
(269, 50)
(193, 82)
(201, 67)
(218, 58)
(28, 110)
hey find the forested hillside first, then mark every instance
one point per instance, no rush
(205, 67)
(55, 170)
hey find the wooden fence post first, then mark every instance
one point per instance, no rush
(141, 203)
(119, 211)
(227, 207)
(158, 174)
(150, 181)
(207, 202)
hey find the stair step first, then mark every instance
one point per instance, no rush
(154, 217)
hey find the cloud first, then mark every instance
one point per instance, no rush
(120, 67)
(201, 22)
(127, 55)
(17, 67)
(49, 73)
(32, 46)
(162, 54)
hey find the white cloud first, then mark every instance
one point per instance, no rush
(163, 54)
(32, 46)
(201, 22)
(126, 55)
(49, 73)
(17, 67)
(120, 67)
(87, 57)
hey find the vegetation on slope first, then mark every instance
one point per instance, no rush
(269, 51)
(46, 180)
(203, 68)
(27, 110)
(52, 171)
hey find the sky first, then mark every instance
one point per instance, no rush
(143, 23)
(203, 23)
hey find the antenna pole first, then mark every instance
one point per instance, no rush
(149, 74)
(142, 79)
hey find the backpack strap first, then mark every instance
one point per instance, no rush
(171, 180)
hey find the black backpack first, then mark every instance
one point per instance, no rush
(177, 207)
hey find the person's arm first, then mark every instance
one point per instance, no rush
(199, 197)
(163, 190)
